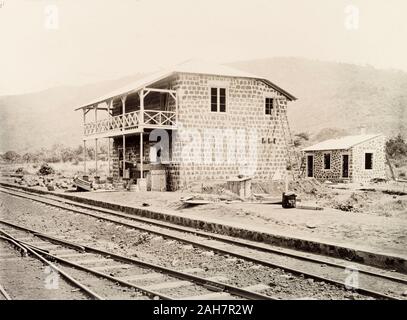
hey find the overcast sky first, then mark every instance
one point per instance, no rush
(50, 43)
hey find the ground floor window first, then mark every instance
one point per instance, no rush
(327, 161)
(368, 160)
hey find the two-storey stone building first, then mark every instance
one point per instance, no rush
(220, 122)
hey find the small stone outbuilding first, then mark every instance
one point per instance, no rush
(358, 158)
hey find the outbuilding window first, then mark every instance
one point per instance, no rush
(327, 161)
(368, 161)
(269, 105)
(218, 99)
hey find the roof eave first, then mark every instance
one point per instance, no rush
(289, 96)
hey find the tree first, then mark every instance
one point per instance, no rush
(300, 138)
(30, 157)
(11, 156)
(396, 147)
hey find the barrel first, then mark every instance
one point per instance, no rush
(289, 200)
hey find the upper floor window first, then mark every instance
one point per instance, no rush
(218, 99)
(327, 161)
(269, 105)
(369, 160)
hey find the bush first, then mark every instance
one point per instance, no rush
(396, 147)
(11, 156)
(46, 169)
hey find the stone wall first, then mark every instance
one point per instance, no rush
(357, 171)
(333, 174)
(377, 147)
(257, 138)
(263, 154)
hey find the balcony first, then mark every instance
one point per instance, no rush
(131, 122)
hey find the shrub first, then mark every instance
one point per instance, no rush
(46, 169)
(11, 156)
(396, 147)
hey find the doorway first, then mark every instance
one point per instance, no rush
(345, 166)
(310, 166)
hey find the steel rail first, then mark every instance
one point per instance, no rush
(217, 237)
(241, 256)
(210, 284)
(54, 267)
(23, 250)
(100, 274)
(4, 293)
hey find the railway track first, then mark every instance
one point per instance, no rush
(4, 293)
(80, 256)
(25, 250)
(371, 280)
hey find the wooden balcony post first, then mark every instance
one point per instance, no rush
(84, 121)
(141, 125)
(176, 107)
(124, 137)
(141, 155)
(141, 95)
(84, 143)
(84, 157)
(96, 156)
(109, 106)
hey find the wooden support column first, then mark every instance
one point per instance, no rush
(124, 137)
(84, 157)
(96, 156)
(176, 108)
(141, 94)
(109, 107)
(96, 143)
(84, 143)
(141, 155)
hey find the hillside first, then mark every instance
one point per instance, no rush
(338, 95)
(36, 120)
(331, 95)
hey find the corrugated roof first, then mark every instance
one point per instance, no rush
(190, 66)
(341, 143)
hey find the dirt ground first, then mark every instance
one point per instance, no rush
(372, 216)
(163, 251)
(28, 278)
(384, 228)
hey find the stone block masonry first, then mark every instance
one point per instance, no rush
(220, 145)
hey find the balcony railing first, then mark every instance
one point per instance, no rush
(132, 120)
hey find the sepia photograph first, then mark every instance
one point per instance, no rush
(211, 153)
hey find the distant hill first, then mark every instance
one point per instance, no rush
(36, 120)
(333, 97)
(338, 95)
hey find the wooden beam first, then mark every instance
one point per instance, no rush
(176, 109)
(141, 94)
(109, 106)
(84, 157)
(96, 156)
(161, 90)
(141, 155)
(123, 98)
